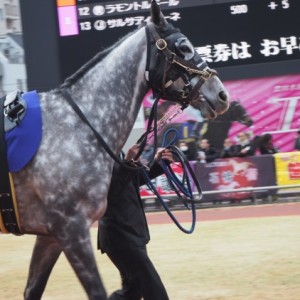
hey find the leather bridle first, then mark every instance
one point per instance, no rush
(193, 68)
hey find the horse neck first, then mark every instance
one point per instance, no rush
(111, 93)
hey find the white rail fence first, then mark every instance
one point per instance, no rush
(281, 192)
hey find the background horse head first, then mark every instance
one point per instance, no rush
(218, 129)
(215, 130)
(63, 190)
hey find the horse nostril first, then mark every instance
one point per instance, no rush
(223, 96)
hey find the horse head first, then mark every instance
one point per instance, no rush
(176, 72)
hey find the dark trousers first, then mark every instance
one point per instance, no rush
(140, 280)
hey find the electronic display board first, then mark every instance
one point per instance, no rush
(238, 38)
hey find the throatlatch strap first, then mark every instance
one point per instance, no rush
(8, 217)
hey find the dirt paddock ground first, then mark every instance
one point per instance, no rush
(233, 212)
(235, 253)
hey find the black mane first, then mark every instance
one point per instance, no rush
(102, 54)
(92, 62)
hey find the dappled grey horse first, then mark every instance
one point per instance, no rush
(62, 191)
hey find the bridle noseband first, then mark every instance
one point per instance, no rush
(195, 68)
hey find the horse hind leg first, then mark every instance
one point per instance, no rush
(45, 254)
(79, 252)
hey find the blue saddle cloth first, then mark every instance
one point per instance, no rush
(23, 141)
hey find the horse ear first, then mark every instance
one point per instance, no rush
(156, 15)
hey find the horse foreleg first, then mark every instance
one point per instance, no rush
(45, 254)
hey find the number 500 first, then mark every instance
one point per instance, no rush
(238, 9)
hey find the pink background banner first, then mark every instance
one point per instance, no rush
(273, 104)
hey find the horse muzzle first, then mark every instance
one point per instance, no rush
(211, 108)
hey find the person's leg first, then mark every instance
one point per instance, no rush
(129, 290)
(117, 295)
(139, 276)
(147, 277)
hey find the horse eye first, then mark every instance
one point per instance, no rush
(185, 49)
(187, 52)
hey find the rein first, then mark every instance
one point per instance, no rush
(99, 138)
(182, 188)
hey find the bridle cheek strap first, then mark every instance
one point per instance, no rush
(148, 54)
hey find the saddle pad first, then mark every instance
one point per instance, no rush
(23, 141)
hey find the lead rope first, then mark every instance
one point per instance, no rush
(167, 118)
(182, 188)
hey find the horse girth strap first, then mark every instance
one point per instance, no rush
(8, 209)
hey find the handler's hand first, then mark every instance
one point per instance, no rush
(163, 153)
(132, 152)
